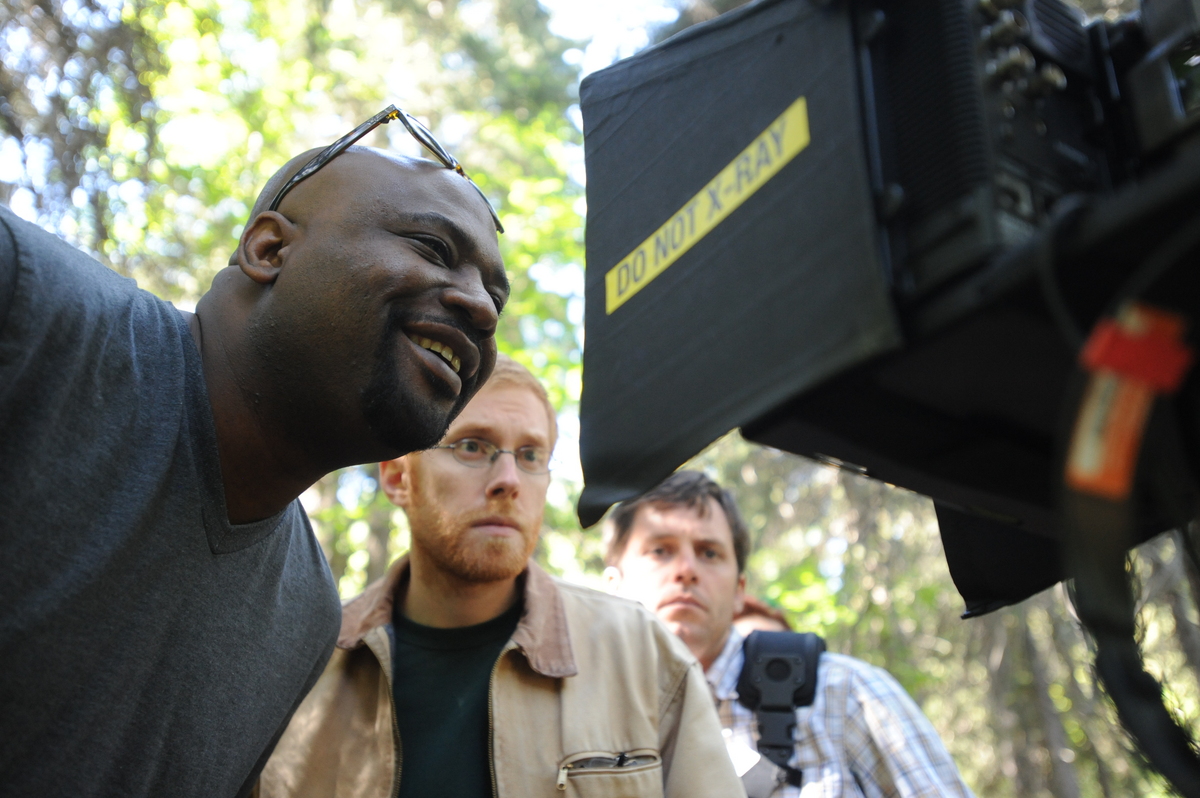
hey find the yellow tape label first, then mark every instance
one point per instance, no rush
(747, 173)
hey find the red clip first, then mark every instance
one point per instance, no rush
(1131, 358)
(1142, 343)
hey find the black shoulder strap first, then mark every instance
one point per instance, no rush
(778, 675)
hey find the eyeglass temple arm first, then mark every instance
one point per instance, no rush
(342, 144)
(381, 118)
(426, 140)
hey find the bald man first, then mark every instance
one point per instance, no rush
(163, 602)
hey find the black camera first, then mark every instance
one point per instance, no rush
(982, 116)
(880, 234)
(843, 227)
(779, 675)
(1164, 87)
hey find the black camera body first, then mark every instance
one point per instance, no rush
(981, 116)
(875, 302)
(779, 675)
(879, 233)
(1164, 86)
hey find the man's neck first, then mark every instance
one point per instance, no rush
(260, 476)
(444, 601)
(707, 656)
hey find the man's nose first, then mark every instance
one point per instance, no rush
(469, 296)
(503, 479)
(685, 567)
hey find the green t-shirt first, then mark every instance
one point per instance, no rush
(440, 686)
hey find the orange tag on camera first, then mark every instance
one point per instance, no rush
(1131, 359)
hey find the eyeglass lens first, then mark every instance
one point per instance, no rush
(478, 453)
(425, 138)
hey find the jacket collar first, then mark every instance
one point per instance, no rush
(541, 635)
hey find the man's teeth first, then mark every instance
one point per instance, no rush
(446, 352)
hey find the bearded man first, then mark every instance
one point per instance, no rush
(467, 671)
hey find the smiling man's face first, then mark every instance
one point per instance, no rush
(477, 524)
(679, 562)
(381, 320)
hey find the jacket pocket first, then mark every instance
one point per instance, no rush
(602, 774)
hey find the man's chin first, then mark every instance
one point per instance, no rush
(676, 628)
(489, 561)
(405, 408)
(692, 635)
(682, 615)
(403, 422)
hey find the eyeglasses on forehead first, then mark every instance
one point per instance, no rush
(412, 125)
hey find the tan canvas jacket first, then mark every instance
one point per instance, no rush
(591, 697)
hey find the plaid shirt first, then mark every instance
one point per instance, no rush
(862, 735)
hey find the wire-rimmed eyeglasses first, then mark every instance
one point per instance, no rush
(478, 453)
(418, 131)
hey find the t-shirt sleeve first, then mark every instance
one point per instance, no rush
(66, 318)
(8, 272)
(91, 369)
(249, 788)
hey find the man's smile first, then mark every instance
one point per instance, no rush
(448, 343)
(442, 349)
(445, 350)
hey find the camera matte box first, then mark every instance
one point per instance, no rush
(733, 258)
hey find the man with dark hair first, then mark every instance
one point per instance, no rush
(165, 604)
(681, 549)
(690, 489)
(687, 507)
(467, 671)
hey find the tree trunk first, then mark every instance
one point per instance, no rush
(1066, 638)
(1187, 632)
(1064, 779)
(1000, 685)
(326, 489)
(379, 519)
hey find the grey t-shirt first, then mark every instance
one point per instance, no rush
(147, 646)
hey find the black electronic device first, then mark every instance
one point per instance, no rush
(873, 299)
(879, 233)
(779, 675)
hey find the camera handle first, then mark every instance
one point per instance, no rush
(779, 675)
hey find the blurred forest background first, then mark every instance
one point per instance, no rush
(140, 130)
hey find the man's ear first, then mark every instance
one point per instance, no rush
(260, 252)
(396, 478)
(612, 579)
(739, 597)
